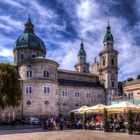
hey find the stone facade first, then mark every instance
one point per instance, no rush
(63, 85)
(132, 89)
(87, 96)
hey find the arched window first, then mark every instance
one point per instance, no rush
(22, 56)
(28, 103)
(88, 95)
(113, 84)
(77, 94)
(29, 73)
(46, 74)
(112, 60)
(46, 102)
(64, 93)
(103, 60)
(29, 90)
(65, 104)
(47, 90)
(76, 104)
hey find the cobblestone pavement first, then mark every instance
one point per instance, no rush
(38, 134)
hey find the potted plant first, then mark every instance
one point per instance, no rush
(105, 122)
(138, 122)
(84, 120)
(72, 119)
(130, 122)
(138, 127)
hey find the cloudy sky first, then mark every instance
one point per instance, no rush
(62, 23)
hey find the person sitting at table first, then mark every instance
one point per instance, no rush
(92, 124)
(87, 124)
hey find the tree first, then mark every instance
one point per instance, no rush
(105, 125)
(138, 76)
(130, 122)
(120, 88)
(10, 90)
(72, 119)
(84, 120)
(130, 79)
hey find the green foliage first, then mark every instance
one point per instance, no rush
(138, 76)
(130, 79)
(72, 119)
(10, 91)
(84, 120)
(105, 116)
(120, 88)
(130, 120)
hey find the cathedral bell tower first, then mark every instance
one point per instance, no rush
(109, 66)
(82, 66)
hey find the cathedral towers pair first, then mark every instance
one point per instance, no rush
(107, 69)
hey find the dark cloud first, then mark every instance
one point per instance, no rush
(62, 23)
(125, 9)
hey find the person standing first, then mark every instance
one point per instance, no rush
(57, 122)
(61, 122)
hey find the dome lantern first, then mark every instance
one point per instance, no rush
(29, 27)
(82, 50)
(108, 36)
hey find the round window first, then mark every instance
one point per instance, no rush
(28, 102)
(46, 102)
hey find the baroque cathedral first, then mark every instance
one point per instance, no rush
(49, 90)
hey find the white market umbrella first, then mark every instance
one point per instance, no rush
(78, 110)
(123, 107)
(94, 109)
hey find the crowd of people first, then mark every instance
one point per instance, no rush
(61, 122)
(115, 122)
(120, 123)
(56, 123)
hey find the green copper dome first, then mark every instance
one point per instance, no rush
(82, 51)
(31, 41)
(108, 36)
(28, 39)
